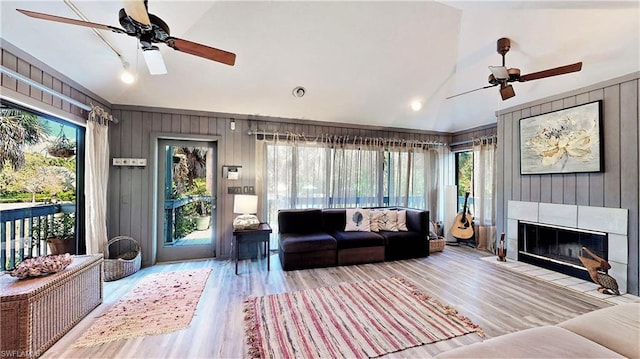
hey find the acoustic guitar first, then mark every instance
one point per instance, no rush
(462, 226)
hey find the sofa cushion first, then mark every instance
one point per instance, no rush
(388, 221)
(374, 220)
(402, 221)
(358, 239)
(296, 243)
(541, 342)
(300, 221)
(334, 219)
(403, 245)
(357, 220)
(617, 328)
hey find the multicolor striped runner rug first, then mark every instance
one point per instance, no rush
(349, 320)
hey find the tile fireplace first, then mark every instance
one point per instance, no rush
(550, 235)
(558, 248)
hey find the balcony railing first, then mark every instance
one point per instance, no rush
(17, 227)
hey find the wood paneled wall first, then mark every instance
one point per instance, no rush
(129, 210)
(23, 94)
(616, 187)
(463, 140)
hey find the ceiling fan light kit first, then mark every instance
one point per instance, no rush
(154, 61)
(502, 75)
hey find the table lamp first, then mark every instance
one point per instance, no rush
(246, 205)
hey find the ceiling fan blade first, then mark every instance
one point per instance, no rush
(466, 92)
(137, 10)
(552, 72)
(65, 20)
(204, 51)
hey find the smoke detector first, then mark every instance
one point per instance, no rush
(298, 91)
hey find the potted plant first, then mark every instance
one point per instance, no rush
(203, 221)
(62, 147)
(59, 233)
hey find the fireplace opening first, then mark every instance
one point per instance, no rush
(557, 248)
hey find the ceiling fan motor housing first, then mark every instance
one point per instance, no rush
(504, 45)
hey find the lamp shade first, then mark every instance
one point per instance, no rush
(245, 204)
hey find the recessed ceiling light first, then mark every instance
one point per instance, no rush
(299, 91)
(416, 105)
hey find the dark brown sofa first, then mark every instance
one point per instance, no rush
(311, 238)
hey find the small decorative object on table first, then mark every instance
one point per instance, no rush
(39, 266)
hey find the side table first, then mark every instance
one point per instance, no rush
(259, 235)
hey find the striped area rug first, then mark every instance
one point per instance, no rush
(350, 320)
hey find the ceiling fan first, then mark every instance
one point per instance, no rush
(136, 21)
(502, 76)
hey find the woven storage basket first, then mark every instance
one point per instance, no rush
(437, 242)
(124, 258)
(436, 245)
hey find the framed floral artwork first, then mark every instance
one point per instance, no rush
(564, 141)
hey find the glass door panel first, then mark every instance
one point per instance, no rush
(187, 202)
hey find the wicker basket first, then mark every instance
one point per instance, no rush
(124, 258)
(436, 245)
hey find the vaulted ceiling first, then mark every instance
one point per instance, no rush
(360, 62)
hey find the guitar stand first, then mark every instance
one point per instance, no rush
(471, 242)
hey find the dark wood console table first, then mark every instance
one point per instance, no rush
(259, 235)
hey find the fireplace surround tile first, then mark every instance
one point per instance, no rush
(558, 214)
(618, 248)
(525, 211)
(612, 220)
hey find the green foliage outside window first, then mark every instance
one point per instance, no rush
(465, 172)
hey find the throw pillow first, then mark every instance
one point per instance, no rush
(389, 221)
(402, 221)
(357, 220)
(374, 220)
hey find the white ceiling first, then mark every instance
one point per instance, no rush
(360, 62)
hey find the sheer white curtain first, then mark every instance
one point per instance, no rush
(295, 175)
(414, 178)
(356, 173)
(96, 178)
(484, 192)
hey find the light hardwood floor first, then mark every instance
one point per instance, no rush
(498, 300)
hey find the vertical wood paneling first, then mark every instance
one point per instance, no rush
(611, 136)
(630, 168)
(113, 194)
(616, 187)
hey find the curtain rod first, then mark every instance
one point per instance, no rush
(483, 138)
(42, 87)
(340, 137)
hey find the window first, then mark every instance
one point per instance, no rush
(42, 165)
(464, 178)
(300, 174)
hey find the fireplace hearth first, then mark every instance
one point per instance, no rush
(557, 248)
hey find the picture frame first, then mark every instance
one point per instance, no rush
(563, 141)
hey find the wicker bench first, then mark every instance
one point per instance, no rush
(37, 312)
